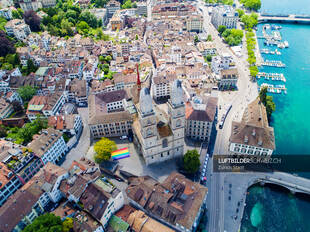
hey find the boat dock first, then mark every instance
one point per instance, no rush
(274, 88)
(267, 51)
(271, 76)
(274, 63)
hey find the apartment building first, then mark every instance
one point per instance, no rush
(17, 28)
(253, 135)
(6, 108)
(162, 82)
(194, 23)
(77, 92)
(199, 118)
(228, 78)
(49, 146)
(112, 6)
(224, 15)
(108, 115)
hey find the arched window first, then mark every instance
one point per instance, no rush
(148, 132)
(165, 143)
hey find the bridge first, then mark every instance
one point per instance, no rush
(235, 190)
(278, 18)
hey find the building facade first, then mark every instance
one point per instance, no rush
(224, 15)
(160, 137)
(228, 78)
(253, 135)
(49, 146)
(194, 23)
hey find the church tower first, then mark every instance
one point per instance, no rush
(176, 109)
(147, 120)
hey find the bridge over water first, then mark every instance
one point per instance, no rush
(280, 18)
(236, 188)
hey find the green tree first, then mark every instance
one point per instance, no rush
(263, 95)
(103, 149)
(45, 223)
(137, 37)
(191, 161)
(127, 4)
(252, 4)
(67, 225)
(221, 29)
(209, 58)
(82, 27)
(240, 12)
(270, 106)
(3, 132)
(89, 18)
(17, 14)
(108, 58)
(26, 92)
(3, 22)
(253, 71)
(196, 39)
(209, 38)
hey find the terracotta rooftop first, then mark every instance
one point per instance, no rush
(253, 129)
(176, 200)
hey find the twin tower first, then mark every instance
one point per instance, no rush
(161, 136)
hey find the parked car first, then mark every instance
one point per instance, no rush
(123, 137)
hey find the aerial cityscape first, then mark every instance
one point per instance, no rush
(154, 116)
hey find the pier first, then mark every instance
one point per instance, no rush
(273, 63)
(276, 18)
(271, 76)
(274, 88)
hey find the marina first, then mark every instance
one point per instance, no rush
(271, 76)
(273, 63)
(267, 51)
(274, 88)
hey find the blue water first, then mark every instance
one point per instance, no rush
(271, 209)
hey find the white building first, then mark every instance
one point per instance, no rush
(26, 5)
(200, 118)
(219, 63)
(162, 82)
(224, 15)
(194, 23)
(7, 13)
(141, 8)
(112, 6)
(17, 28)
(158, 135)
(49, 146)
(253, 135)
(9, 183)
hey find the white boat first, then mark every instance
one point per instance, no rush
(286, 44)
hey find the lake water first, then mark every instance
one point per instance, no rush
(270, 209)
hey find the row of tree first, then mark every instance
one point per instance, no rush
(225, 2)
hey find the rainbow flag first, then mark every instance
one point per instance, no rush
(120, 154)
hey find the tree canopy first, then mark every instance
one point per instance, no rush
(26, 92)
(24, 135)
(103, 149)
(191, 161)
(233, 36)
(225, 2)
(33, 20)
(267, 101)
(249, 21)
(45, 223)
(6, 45)
(127, 4)
(252, 4)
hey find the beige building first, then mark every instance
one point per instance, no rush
(177, 201)
(228, 78)
(194, 23)
(200, 119)
(253, 135)
(108, 116)
(139, 221)
(160, 136)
